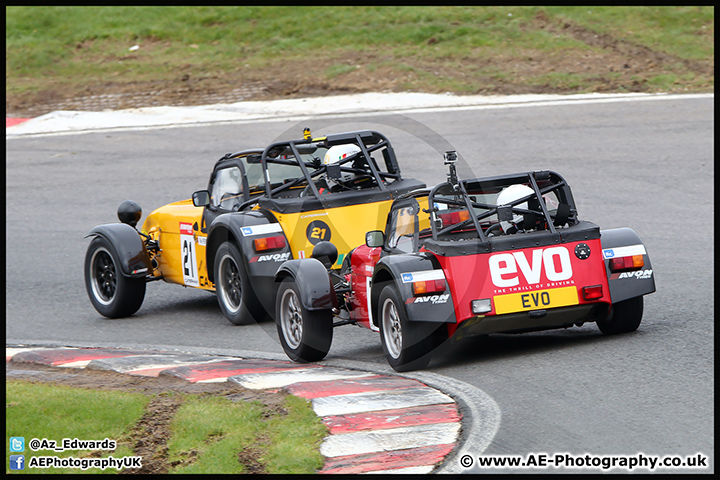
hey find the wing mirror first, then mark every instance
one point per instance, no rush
(375, 238)
(201, 198)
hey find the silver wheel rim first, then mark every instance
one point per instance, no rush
(392, 330)
(291, 320)
(103, 276)
(230, 285)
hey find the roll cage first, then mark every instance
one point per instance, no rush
(463, 196)
(290, 169)
(301, 153)
(467, 211)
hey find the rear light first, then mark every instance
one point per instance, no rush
(624, 264)
(428, 286)
(454, 217)
(592, 292)
(481, 306)
(269, 243)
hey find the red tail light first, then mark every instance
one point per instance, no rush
(592, 292)
(624, 264)
(428, 286)
(454, 217)
(269, 243)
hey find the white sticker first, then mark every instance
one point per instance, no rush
(188, 256)
(624, 251)
(423, 276)
(368, 286)
(261, 229)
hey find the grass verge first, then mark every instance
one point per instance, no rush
(70, 50)
(174, 432)
(55, 412)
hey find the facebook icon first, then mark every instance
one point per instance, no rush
(17, 462)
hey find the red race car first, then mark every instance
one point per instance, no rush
(503, 254)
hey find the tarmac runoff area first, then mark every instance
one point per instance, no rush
(377, 422)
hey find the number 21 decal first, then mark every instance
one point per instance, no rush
(317, 231)
(188, 256)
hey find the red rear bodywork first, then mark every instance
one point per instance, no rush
(531, 279)
(362, 262)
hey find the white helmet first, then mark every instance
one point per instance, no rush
(337, 153)
(510, 194)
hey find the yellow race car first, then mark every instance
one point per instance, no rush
(262, 208)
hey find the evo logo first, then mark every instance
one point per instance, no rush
(555, 261)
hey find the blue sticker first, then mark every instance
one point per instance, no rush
(247, 231)
(407, 277)
(609, 253)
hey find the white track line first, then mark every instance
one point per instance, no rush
(340, 106)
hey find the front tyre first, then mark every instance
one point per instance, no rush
(305, 335)
(626, 317)
(407, 345)
(235, 296)
(112, 294)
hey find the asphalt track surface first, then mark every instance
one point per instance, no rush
(646, 164)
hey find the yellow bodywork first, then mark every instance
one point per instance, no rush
(182, 257)
(182, 253)
(345, 227)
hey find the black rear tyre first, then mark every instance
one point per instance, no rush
(112, 294)
(234, 292)
(305, 335)
(626, 317)
(407, 345)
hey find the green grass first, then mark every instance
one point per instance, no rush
(686, 32)
(57, 412)
(207, 432)
(213, 431)
(74, 45)
(295, 439)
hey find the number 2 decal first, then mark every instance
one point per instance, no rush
(187, 249)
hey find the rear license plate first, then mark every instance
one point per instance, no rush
(537, 300)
